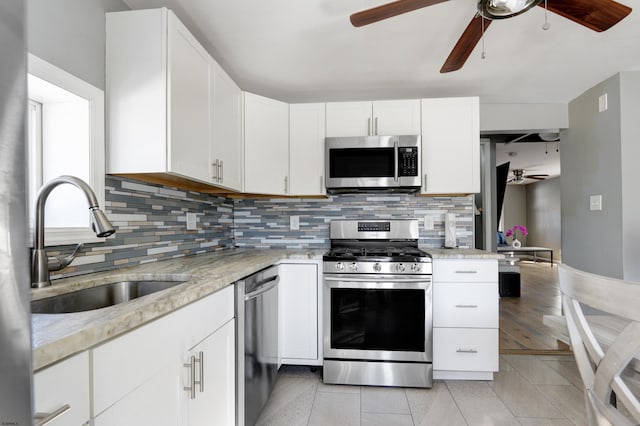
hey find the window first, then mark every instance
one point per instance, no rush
(65, 136)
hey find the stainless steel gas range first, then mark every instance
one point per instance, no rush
(377, 305)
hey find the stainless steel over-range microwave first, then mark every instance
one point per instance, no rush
(372, 163)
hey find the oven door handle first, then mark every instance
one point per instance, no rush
(394, 279)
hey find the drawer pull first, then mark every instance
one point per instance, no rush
(467, 351)
(192, 375)
(467, 306)
(466, 272)
(42, 419)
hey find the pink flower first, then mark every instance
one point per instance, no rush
(513, 231)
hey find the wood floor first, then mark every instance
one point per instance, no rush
(521, 327)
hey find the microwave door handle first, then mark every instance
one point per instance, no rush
(395, 154)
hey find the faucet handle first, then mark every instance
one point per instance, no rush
(56, 263)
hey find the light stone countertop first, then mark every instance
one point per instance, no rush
(461, 253)
(58, 336)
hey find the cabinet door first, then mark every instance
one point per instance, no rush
(214, 401)
(154, 402)
(298, 313)
(266, 145)
(66, 383)
(306, 149)
(226, 129)
(349, 119)
(189, 105)
(451, 146)
(396, 117)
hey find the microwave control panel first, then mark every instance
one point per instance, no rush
(408, 161)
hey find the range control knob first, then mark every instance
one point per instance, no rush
(416, 267)
(400, 267)
(339, 266)
(377, 267)
(353, 266)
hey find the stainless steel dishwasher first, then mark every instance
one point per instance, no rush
(257, 343)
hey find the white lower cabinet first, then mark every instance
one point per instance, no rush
(465, 319)
(154, 402)
(139, 377)
(65, 384)
(299, 304)
(209, 376)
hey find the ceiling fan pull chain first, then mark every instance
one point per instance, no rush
(484, 54)
(546, 24)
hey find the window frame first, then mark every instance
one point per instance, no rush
(95, 98)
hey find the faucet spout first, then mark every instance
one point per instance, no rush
(40, 265)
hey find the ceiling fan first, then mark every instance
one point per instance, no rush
(519, 176)
(597, 15)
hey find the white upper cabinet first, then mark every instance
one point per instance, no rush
(396, 117)
(400, 117)
(306, 149)
(226, 130)
(451, 145)
(157, 96)
(266, 145)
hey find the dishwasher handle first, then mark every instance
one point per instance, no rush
(263, 287)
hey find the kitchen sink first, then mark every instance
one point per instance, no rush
(99, 297)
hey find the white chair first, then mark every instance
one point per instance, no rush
(610, 384)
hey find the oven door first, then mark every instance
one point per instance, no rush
(378, 317)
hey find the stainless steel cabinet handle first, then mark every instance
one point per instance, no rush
(42, 419)
(466, 306)
(466, 272)
(215, 170)
(321, 184)
(425, 182)
(368, 126)
(286, 184)
(192, 378)
(467, 351)
(221, 173)
(375, 132)
(201, 381)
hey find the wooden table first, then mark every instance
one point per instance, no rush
(523, 249)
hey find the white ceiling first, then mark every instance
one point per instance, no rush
(533, 157)
(307, 50)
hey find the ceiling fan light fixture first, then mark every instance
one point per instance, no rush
(501, 9)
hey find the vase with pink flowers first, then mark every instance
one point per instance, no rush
(513, 232)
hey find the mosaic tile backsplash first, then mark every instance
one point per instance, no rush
(266, 223)
(151, 224)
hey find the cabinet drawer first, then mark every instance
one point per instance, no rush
(465, 305)
(66, 382)
(458, 349)
(454, 270)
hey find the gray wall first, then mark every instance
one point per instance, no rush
(544, 217)
(515, 210)
(591, 164)
(70, 34)
(630, 152)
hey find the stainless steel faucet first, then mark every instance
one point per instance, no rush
(41, 264)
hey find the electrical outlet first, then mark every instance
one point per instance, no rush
(595, 202)
(294, 223)
(603, 103)
(428, 222)
(191, 222)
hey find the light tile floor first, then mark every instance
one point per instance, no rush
(528, 390)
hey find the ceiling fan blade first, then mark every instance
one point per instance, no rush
(465, 45)
(598, 15)
(389, 10)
